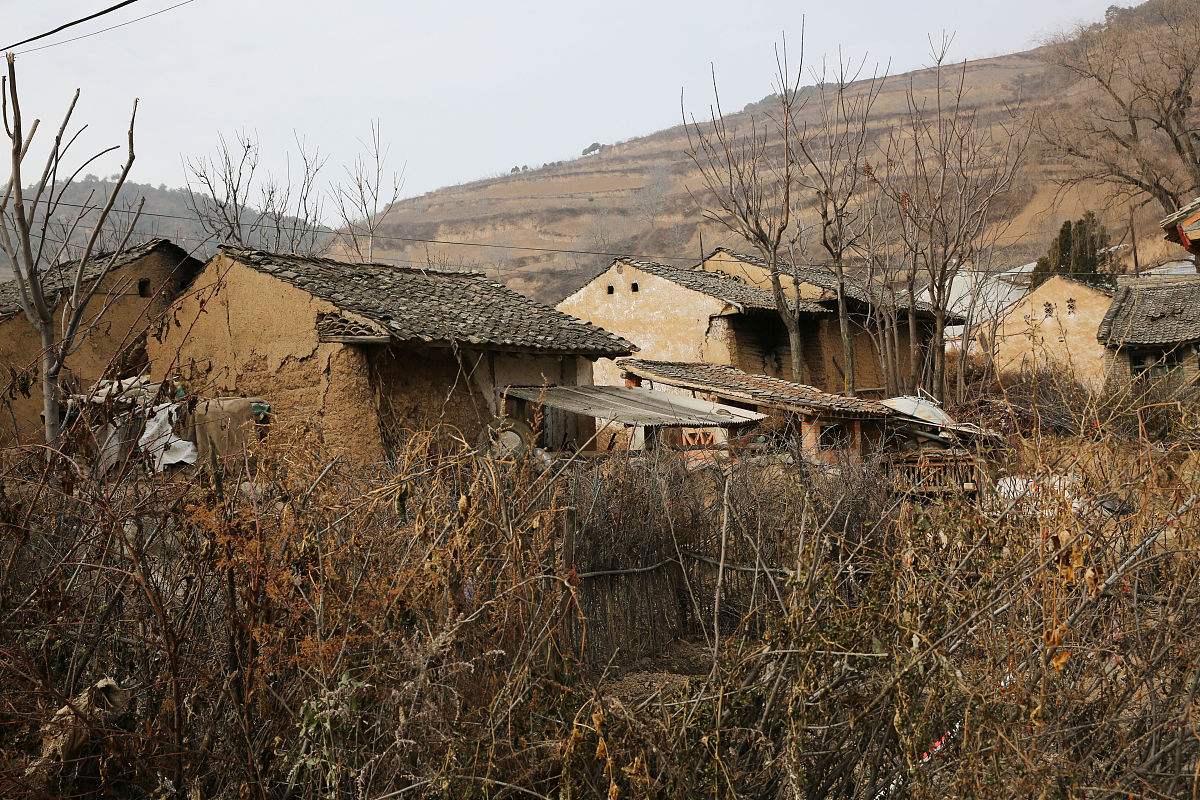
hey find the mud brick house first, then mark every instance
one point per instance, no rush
(831, 427)
(136, 286)
(366, 351)
(675, 314)
(818, 285)
(1151, 331)
(1052, 327)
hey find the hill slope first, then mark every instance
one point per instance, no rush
(644, 197)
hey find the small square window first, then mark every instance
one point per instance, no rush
(144, 287)
(1070, 306)
(610, 288)
(832, 437)
(633, 287)
(1048, 310)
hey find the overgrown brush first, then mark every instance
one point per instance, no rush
(452, 626)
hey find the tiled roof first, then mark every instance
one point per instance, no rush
(731, 383)
(61, 277)
(825, 279)
(437, 307)
(721, 287)
(1188, 210)
(1153, 311)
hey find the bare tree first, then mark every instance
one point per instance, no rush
(1134, 126)
(282, 215)
(832, 152)
(26, 220)
(749, 175)
(364, 202)
(949, 168)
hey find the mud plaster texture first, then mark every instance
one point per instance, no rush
(669, 322)
(114, 345)
(1054, 326)
(826, 371)
(242, 332)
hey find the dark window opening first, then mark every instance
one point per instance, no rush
(1156, 365)
(1071, 306)
(610, 288)
(144, 287)
(1048, 310)
(633, 287)
(833, 437)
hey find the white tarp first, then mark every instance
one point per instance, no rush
(159, 442)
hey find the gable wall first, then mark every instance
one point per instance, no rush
(1027, 337)
(240, 332)
(665, 320)
(116, 338)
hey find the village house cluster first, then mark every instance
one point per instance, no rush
(643, 355)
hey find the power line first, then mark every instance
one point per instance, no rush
(493, 245)
(421, 240)
(64, 26)
(102, 30)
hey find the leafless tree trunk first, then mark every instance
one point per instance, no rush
(1132, 123)
(750, 184)
(364, 202)
(950, 169)
(25, 222)
(832, 154)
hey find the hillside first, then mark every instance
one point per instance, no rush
(644, 197)
(546, 230)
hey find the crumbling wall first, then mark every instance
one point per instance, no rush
(131, 298)
(241, 332)
(421, 388)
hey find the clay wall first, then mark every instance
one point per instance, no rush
(665, 320)
(241, 332)
(131, 298)
(1054, 326)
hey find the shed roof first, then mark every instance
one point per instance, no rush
(721, 287)
(731, 383)
(637, 406)
(436, 307)
(59, 278)
(1153, 311)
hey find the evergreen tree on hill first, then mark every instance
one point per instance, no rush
(1080, 251)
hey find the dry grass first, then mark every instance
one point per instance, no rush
(320, 631)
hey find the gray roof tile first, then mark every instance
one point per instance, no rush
(61, 277)
(729, 382)
(1153, 311)
(719, 286)
(437, 307)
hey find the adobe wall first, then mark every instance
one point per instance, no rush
(665, 320)
(241, 332)
(823, 355)
(755, 275)
(1042, 330)
(115, 339)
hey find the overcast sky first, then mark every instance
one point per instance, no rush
(462, 90)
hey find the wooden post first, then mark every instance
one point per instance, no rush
(570, 521)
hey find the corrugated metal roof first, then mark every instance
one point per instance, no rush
(636, 406)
